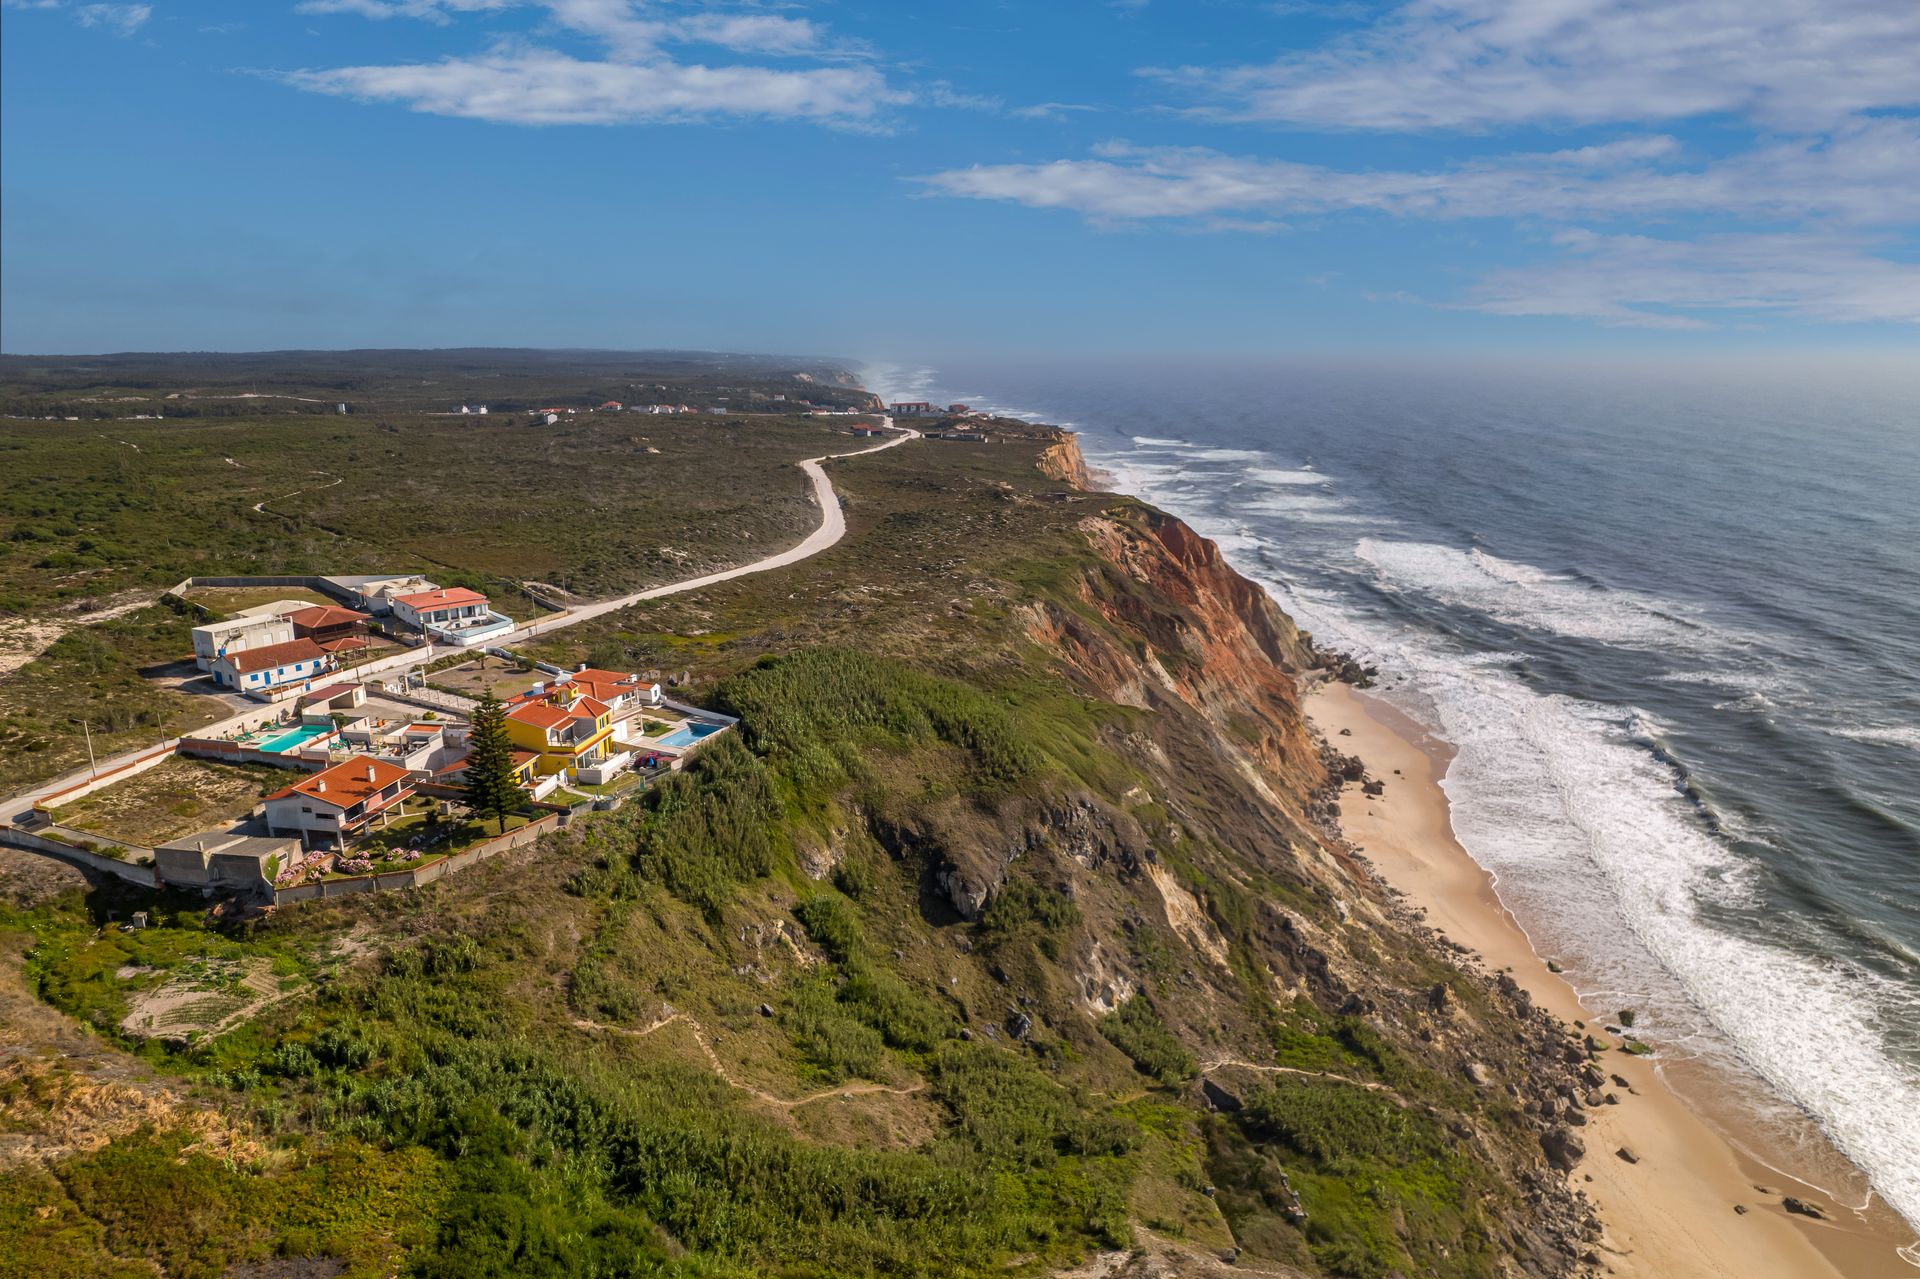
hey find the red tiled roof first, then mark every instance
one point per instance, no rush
(441, 598)
(539, 714)
(325, 615)
(345, 644)
(268, 656)
(345, 785)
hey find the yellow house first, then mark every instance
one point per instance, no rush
(564, 727)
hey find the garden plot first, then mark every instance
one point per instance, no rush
(205, 998)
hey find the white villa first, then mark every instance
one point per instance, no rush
(256, 627)
(451, 615)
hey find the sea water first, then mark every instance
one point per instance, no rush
(1668, 615)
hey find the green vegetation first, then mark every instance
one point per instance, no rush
(1379, 1182)
(493, 788)
(1135, 1029)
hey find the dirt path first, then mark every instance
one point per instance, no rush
(260, 507)
(726, 1076)
(1224, 1063)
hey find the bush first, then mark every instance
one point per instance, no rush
(1024, 909)
(1135, 1028)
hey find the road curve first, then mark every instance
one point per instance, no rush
(833, 527)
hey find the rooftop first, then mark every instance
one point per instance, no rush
(320, 615)
(345, 785)
(269, 656)
(446, 595)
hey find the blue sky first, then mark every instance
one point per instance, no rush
(879, 179)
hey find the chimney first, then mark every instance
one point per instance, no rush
(369, 772)
(319, 785)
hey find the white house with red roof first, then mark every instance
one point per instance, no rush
(623, 691)
(339, 803)
(451, 615)
(273, 671)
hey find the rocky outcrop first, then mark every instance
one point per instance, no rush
(1063, 461)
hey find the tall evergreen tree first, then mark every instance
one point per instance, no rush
(492, 789)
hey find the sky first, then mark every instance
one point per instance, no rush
(871, 180)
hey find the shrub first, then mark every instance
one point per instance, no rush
(1135, 1028)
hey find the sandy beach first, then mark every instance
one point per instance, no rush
(1670, 1213)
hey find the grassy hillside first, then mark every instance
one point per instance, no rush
(920, 973)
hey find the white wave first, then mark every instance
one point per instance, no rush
(1161, 442)
(1229, 455)
(1889, 734)
(1522, 595)
(1270, 475)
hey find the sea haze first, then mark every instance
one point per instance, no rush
(1668, 615)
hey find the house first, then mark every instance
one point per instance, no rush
(911, 408)
(958, 410)
(624, 692)
(340, 802)
(335, 629)
(374, 594)
(254, 628)
(565, 727)
(241, 860)
(473, 408)
(274, 670)
(615, 405)
(451, 615)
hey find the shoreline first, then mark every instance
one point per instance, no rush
(1670, 1213)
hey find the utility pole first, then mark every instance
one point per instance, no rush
(93, 769)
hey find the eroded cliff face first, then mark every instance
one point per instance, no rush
(1246, 867)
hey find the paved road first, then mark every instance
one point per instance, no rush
(833, 527)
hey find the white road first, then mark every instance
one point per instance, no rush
(833, 527)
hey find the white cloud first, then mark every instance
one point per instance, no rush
(636, 82)
(542, 87)
(1868, 173)
(1638, 281)
(1799, 64)
(120, 19)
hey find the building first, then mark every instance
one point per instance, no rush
(565, 727)
(451, 615)
(335, 629)
(478, 409)
(623, 692)
(374, 593)
(333, 806)
(958, 410)
(241, 860)
(912, 408)
(273, 671)
(254, 627)
(614, 405)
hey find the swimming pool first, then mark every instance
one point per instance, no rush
(296, 737)
(690, 734)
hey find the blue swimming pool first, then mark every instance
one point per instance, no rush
(294, 738)
(690, 734)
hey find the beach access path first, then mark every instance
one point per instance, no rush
(833, 527)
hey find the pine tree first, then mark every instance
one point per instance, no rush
(492, 789)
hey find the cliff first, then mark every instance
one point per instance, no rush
(1012, 932)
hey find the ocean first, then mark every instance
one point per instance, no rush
(1669, 616)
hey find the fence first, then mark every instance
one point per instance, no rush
(115, 771)
(145, 876)
(449, 865)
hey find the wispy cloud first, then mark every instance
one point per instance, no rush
(638, 80)
(538, 86)
(1491, 63)
(118, 19)
(1869, 173)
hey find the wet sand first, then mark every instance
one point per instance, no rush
(1671, 1215)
